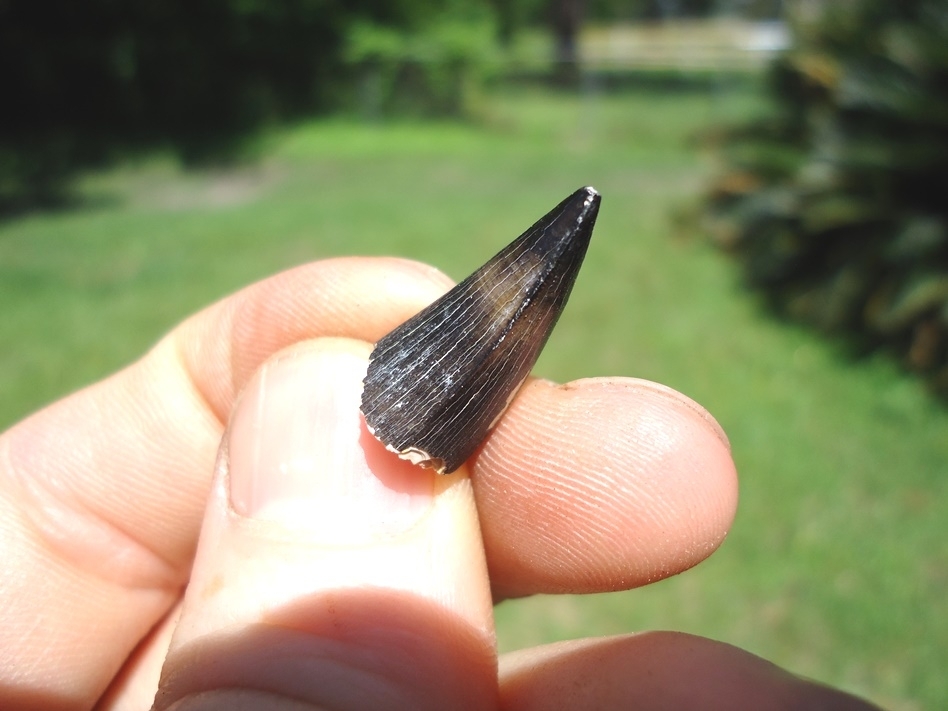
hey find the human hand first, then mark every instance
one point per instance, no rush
(331, 574)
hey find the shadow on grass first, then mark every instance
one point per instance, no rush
(40, 173)
(66, 200)
(622, 81)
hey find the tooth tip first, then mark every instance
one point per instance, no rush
(590, 195)
(589, 198)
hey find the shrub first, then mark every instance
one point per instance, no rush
(836, 203)
(434, 71)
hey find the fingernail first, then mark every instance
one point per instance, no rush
(299, 454)
(683, 400)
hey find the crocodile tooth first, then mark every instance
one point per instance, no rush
(439, 382)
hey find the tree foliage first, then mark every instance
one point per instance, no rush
(835, 205)
(436, 71)
(83, 80)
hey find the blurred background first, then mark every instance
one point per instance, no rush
(773, 242)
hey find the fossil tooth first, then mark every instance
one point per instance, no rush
(438, 383)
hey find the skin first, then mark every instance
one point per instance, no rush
(214, 525)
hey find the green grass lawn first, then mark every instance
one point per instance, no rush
(837, 566)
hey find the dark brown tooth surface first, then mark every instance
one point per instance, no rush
(438, 383)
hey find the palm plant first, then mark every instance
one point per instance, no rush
(836, 203)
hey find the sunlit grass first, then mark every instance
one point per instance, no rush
(837, 566)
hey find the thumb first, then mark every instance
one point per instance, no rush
(330, 573)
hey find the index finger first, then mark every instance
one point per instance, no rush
(601, 484)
